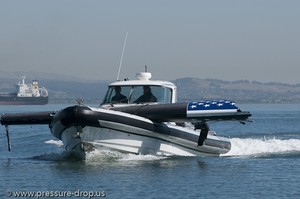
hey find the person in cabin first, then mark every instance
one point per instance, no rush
(118, 97)
(147, 96)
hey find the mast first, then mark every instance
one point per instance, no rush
(120, 65)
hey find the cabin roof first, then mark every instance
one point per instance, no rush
(143, 82)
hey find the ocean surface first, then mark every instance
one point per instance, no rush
(264, 163)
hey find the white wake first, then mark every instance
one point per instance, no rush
(118, 156)
(58, 143)
(255, 146)
(239, 147)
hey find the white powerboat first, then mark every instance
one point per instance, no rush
(139, 116)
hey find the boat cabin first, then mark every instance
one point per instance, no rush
(140, 91)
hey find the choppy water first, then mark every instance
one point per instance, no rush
(263, 163)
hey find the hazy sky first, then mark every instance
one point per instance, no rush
(228, 40)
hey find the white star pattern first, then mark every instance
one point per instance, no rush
(212, 105)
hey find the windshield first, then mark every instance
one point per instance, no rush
(137, 94)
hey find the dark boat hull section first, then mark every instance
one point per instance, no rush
(44, 117)
(14, 100)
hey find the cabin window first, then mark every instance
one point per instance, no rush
(117, 94)
(137, 94)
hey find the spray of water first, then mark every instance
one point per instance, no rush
(98, 155)
(255, 146)
(58, 143)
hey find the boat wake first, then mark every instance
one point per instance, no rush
(263, 147)
(240, 147)
(58, 157)
(100, 155)
(58, 143)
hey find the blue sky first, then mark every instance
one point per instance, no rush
(228, 40)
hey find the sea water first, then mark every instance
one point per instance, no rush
(264, 162)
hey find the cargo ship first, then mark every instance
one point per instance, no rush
(25, 94)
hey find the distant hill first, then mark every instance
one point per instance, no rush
(66, 89)
(241, 91)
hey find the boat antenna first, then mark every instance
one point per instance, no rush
(121, 60)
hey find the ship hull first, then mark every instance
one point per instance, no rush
(14, 100)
